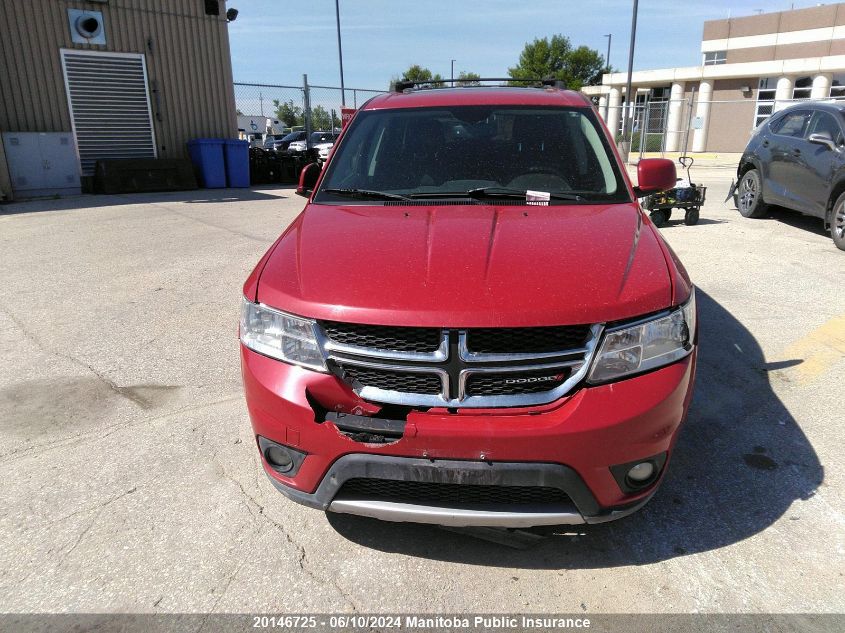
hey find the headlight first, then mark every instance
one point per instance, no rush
(646, 345)
(282, 336)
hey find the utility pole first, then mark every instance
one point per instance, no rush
(630, 99)
(453, 72)
(609, 37)
(339, 52)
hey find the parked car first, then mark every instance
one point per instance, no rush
(286, 140)
(317, 138)
(323, 150)
(483, 329)
(796, 159)
(275, 141)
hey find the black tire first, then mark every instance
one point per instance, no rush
(691, 216)
(749, 199)
(837, 223)
(659, 217)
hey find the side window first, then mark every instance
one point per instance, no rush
(793, 124)
(825, 123)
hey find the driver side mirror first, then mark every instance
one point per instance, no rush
(308, 179)
(822, 138)
(655, 175)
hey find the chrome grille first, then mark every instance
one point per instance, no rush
(512, 383)
(451, 367)
(400, 339)
(391, 380)
(526, 339)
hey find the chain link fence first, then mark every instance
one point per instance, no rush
(271, 109)
(692, 124)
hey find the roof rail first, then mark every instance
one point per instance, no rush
(549, 82)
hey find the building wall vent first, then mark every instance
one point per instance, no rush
(86, 27)
(109, 106)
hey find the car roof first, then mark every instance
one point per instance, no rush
(829, 105)
(470, 96)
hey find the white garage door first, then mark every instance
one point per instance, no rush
(109, 106)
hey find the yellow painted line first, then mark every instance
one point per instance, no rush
(820, 350)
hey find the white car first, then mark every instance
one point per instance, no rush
(297, 147)
(323, 150)
(317, 140)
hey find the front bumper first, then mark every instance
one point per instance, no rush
(570, 444)
(582, 508)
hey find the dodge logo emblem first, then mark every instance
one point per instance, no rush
(522, 381)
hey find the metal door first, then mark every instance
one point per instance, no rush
(41, 163)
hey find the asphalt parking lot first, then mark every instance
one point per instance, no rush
(131, 481)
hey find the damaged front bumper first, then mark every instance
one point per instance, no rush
(569, 446)
(580, 506)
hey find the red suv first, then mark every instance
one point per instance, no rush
(472, 322)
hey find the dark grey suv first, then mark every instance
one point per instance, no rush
(796, 159)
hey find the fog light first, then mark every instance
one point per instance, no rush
(641, 472)
(278, 458)
(636, 476)
(282, 459)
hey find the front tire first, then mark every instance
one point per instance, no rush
(837, 223)
(750, 196)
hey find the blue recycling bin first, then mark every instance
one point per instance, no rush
(236, 157)
(207, 156)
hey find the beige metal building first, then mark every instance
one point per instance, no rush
(750, 67)
(82, 80)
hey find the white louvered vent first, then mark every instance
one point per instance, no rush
(109, 105)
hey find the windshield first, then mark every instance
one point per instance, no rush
(294, 136)
(439, 152)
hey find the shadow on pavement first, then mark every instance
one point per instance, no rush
(741, 461)
(798, 220)
(198, 196)
(680, 222)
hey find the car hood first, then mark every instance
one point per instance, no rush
(468, 265)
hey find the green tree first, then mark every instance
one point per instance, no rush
(288, 113)
(557, 58)
(417, 73)
(323, 120)
(468, 79)
(320, 118)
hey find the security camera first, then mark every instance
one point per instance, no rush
(231, 15)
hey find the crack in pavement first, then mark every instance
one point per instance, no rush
(29, 335)
(302, 555)
(102, 433)
(228, 583)
(248, 236)
(98, 510)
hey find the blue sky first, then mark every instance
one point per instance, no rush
(275, 41)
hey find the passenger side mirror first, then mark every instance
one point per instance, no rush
(822, 138)
(308, 179)
(654, 175)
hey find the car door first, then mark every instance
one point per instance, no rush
(786, 169)
(822, 162)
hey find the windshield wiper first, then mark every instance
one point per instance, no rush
(493, 192)
(504, 192)
(365, 193)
